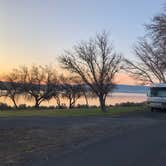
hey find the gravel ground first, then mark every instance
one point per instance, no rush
(24, 140)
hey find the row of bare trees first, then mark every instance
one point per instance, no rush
(96, 63)
(93, 65)
(41, 83)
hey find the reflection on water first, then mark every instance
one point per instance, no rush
(112, 99)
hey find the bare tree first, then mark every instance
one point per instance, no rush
(2, 89)
(70, 90)
(36, 83)
(150, 53)
(150, 66)
(12, 88)
(157, 29)
(82, 88)
(57, 93)
(57, 97)
(96, 63)
(40, 84)
(54, 87)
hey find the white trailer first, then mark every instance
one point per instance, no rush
(157, 97)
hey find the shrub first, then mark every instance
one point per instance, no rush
(4, 106)
(62, 106)
(82, 106)
(22, 106)
(127, 104)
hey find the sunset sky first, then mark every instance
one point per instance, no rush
(36, 31)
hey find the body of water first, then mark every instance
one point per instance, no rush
(112, 99)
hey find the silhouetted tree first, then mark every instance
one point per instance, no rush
(70, 90)
(149, 65)
(96, 63)
(12, 86)
(83, 88)
(2, 89)
(157, 29)
(40, 84)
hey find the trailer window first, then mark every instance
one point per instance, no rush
(158, 92)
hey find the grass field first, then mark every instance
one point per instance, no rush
(71, 112)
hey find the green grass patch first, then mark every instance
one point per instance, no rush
(70, 112)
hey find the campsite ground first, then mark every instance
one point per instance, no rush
(32, 138)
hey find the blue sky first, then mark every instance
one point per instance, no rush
(36, 31)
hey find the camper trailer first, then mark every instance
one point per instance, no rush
(157, 97)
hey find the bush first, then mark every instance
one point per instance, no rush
(62, 106)
(22, 106)
(4, 106)
(127, 104)
(82, 106)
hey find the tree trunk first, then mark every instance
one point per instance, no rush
(102, 103)
(36, 103)
(14, 102)
(86, 99)
(70, 103)
(58, 101)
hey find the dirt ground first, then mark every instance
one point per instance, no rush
(18, 145)
(21, 143)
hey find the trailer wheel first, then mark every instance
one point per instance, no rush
(152, 109)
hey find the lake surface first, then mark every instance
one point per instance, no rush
(112, 99)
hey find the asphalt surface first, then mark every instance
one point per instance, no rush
(144, 146)
(18, 122)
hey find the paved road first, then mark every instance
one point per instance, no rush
(17, 122)
(51, 122)
(142, 147)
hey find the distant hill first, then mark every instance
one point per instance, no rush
(120, 88)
